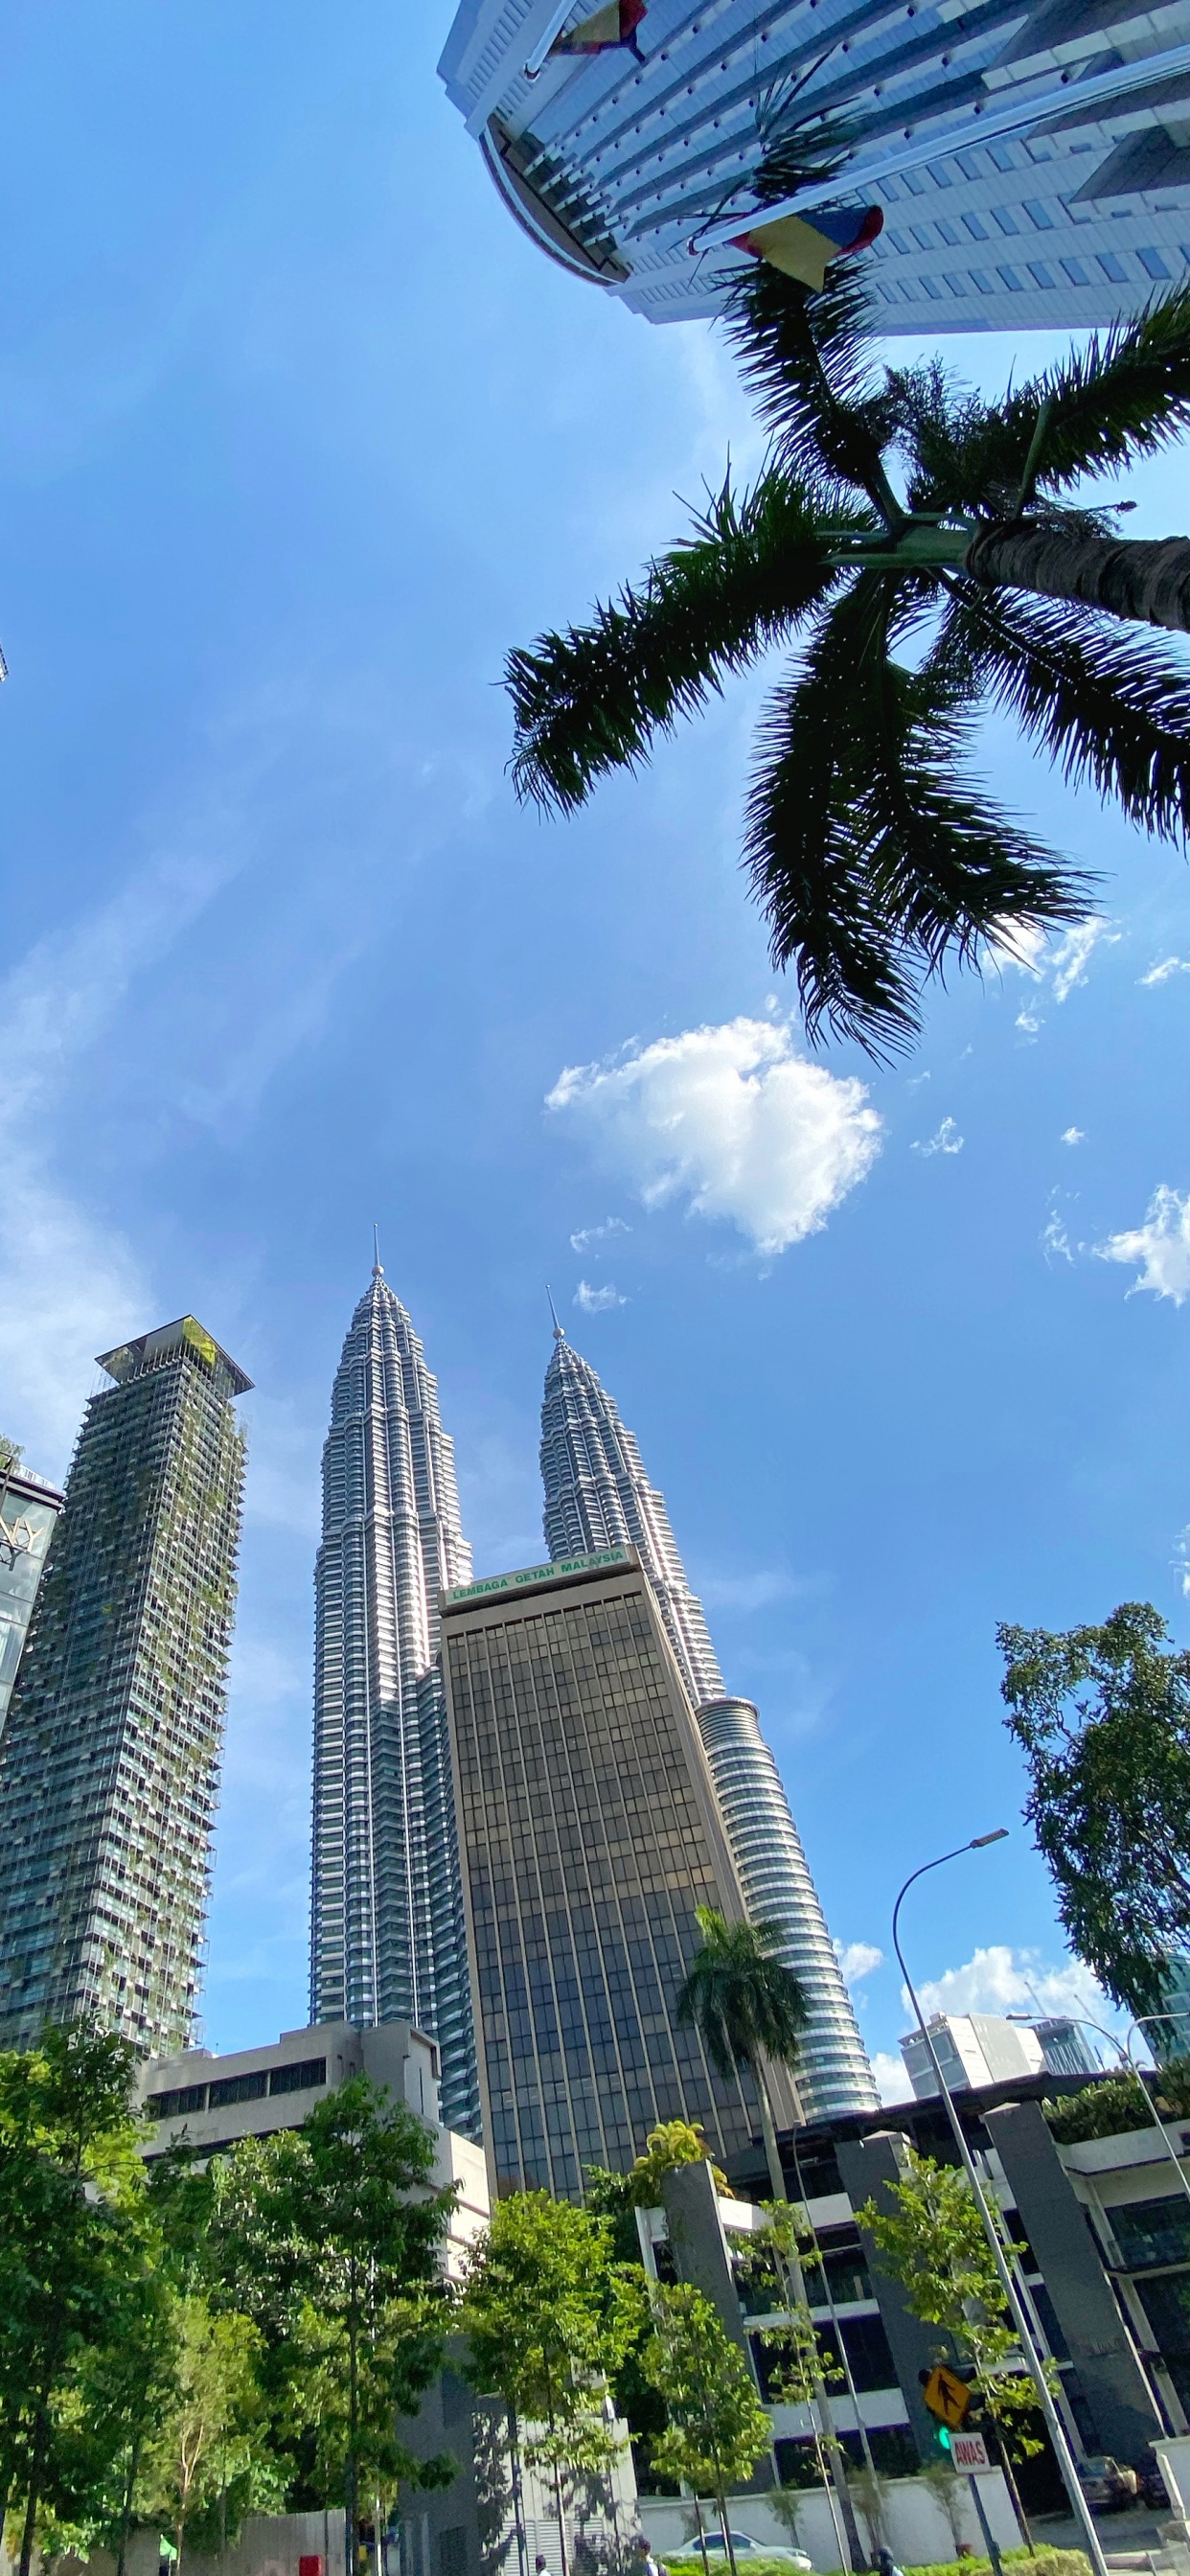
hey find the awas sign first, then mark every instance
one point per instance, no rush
(969, 2451)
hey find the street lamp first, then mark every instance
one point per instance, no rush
(1053, 2421)
(1123, 2049)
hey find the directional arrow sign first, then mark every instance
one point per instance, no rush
(947, 2396)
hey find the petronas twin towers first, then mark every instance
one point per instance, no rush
(388, 1927)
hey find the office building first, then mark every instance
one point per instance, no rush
(598, 1495)
(109, 1762)
(387, 1936)
(210, 2103)
(590, 1833)
(29, 1509)
(975, 2049)
(1029, 156)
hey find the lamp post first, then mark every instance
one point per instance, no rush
(1123, 2049)
(1053, 2421)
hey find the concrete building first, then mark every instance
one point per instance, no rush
(590, 1833)
(598, 1495)
(986, 2048)
(210, 2103)
(1029, 156)
(29, 1511)
(109, 1761)
(387, 1937)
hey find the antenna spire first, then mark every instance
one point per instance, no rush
(377, 1271)
(559, 1335)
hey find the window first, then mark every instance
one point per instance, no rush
(1152, 263)
(1153, 2231)
(1076, 272)
(1011, 280)
(1113, 268)
(1039, 215)
(1006, 222)
(237, 2088)
(1040, 273)
(298, 2079)
(170, 2106)
(977, 229)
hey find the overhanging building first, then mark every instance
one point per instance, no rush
(1030, 156)
(109, 1761)
(387, 1937)
(598, 1495)
(590, 1833)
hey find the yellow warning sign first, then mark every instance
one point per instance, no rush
(947, 2396)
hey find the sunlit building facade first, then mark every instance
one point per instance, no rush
(1030, 157)
(29, 1510)
(387, 1936)
(598, 1495)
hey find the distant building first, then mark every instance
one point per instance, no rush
(387, 1936)
(28, 1513)
(1065, 2047)
(109, 1762)
(1170, 2037)
(590, 1832)
(985, 2048)
(1029, 156)
(597, 1494)
(209, 2103)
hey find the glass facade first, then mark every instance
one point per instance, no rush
(597, 1494)
(387, 1935)
(28, 1512)
(589, 1835)
(109, 1761)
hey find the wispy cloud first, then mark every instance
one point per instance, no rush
(1161, 1246)
(1060, 965)
(590, 1236)
(1073, 1136)
(732, 1121)
(597, 1301)
(1181, 1559)
(1000, 1979)
(858, 1959)
(1165, 969)
(1055, 1241)
(945, 1140)
(892, 2083)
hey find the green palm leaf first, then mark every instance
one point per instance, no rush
(806, 359)
(740, 1995)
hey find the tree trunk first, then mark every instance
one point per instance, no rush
(36, 2466)
(834, 2446)
(126, 2516)
(769, 2134)
(1146, 579)
(725, 2528)
(518, 2500)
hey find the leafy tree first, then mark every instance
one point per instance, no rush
(670, 2144)
(549, 2317)
(10, 1455)
(803, 2363)
(1102, 1716)
(328, 2237)
(717, 2429)
(934, 2244)
(208, 2429)
(746, 2005)
(1117, 2103)
(928, 553)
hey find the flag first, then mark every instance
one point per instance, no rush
(615, 24)
(803, 246)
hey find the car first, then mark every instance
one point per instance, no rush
(744, 2547)
(1106, 2484)
(1154, 2491)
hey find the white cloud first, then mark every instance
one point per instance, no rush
(857, 1959)
(1166, 966)
(892, 2083)
(1001, 1980)
(1028, 1023)
(731, 1120)
(1181, 1558)
(588, 1235)
(1063, 965)
(945, 1140)
(1161, 1246)
(1069, 961)
(1015, 944)
(596, 1301)
(1055, 1242)
(1073, 1136)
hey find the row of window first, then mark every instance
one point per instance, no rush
(960, 283)
(303, 2077)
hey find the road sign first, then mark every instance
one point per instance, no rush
(969, 2451)
(947, 2396)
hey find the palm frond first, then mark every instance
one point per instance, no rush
(806, 361)
(873, 859)
(591, 699)
(1109, 706)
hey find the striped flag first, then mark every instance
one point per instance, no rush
(615, 24)
(803, 246)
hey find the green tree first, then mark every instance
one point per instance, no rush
(803, 2364)
(208, 2428)
(328, 2237)
(934, 2244)
(717, 2427)
(670, 2144)
(1102, 1716)
(10, 1454)
(929, 554)
(747, 2005)
(549, 2317)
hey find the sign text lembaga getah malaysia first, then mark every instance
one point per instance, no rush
(559, 1566)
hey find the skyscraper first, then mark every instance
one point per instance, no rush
(387, 1935)
(109, 1762)
(29, 1509)
(597, 1495)
(590, 1834)
(1029, 156)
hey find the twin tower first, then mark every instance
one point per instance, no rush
(600, 1783)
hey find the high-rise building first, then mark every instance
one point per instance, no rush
(1029, 156)
(387, 1936)
(590, 1834)
(109, 1762)
(598, 1495)
(29, 1509)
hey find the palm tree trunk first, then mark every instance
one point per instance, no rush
(769, 2134)
(1135, 577)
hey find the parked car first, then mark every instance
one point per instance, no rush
(1107, 2484)
(744, 2547)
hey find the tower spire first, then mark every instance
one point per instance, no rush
(559, 1335)
(377, 1270)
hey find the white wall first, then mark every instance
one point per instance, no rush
(916, 2527)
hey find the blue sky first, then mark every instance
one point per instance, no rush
(297, 434)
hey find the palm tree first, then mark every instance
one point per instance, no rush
(746, 2005)
(923, 548)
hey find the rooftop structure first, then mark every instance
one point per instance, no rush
(109, 1761)
(387, 1936)
(974, 2049)
(1029, 156)
(596, 1495)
